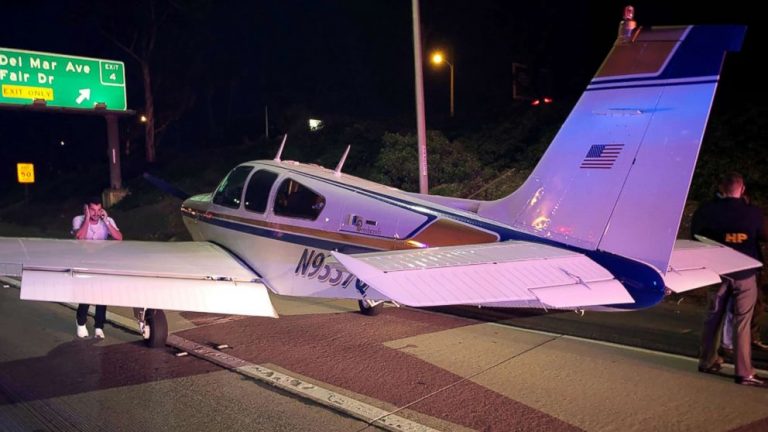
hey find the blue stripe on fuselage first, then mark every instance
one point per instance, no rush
(302, 240)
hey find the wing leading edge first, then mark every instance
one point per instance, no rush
(187, 276)
(512, 273)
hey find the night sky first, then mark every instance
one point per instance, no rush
(351, 58)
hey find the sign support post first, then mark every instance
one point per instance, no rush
(116, 192)
(113, 152)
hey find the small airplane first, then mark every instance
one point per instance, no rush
(593, 227)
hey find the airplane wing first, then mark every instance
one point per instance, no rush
(696, 264)
(507, 273)
(187, 276)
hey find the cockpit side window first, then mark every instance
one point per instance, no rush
(297, 201)
(230, 191)
(257, 192)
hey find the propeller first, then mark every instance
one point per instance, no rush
(166, 187)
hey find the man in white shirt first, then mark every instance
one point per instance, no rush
(93, 224)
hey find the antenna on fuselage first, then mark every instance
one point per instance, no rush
(337, 171)
(280, 150)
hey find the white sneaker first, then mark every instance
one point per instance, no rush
(144, 329)
(82, 332)
(98, 333)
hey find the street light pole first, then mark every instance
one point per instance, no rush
(421, 123)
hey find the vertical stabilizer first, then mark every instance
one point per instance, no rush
(617, 174)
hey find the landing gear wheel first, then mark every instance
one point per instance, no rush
(155, 329)
(368, 309)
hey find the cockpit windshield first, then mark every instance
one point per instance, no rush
(230, 191)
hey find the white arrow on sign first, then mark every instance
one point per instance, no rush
(85, 94)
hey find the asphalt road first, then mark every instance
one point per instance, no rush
(436, 370)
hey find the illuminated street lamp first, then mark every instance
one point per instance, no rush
(438, 58)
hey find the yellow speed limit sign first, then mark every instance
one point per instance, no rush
(25, 172)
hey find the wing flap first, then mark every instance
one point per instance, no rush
(508, 272)
(227, 297)
(696, 264)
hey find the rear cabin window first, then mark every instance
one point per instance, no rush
(297, 201)
(230, 191)
(257, 193)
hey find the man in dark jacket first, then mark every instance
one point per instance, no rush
(739, 225)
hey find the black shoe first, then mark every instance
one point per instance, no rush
(726, 352)
(714, 369)
(759, 345)
(750, 381)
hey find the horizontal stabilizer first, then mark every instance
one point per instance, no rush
(511, 272)
(186, 276)
(697, 264)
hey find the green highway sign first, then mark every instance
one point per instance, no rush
(28, 77)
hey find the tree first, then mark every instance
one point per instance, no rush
(157, 35)
(450, 164)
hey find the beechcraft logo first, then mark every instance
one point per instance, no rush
(602, 156)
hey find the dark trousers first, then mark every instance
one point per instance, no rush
(100, 316)
(744, 293)
(758, 314)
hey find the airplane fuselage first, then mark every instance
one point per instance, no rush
(284, 219)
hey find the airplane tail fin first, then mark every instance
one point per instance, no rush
(616, 176)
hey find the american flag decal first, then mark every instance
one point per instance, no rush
(601, 156)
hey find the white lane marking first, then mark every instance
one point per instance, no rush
(368, 413)
(10, 282)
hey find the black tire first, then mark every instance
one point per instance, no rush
(158, 328)
(367, 310)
